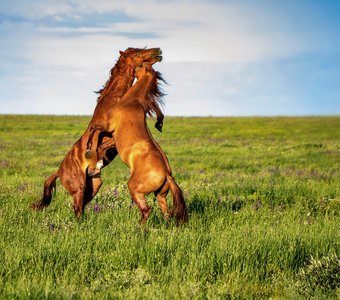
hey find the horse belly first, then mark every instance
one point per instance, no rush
(151, 164)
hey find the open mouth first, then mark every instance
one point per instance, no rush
(159, 58)
(156, 58)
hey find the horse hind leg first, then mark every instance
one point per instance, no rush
(139, 199)
(96, 184)
(93, 184)
(78, 203)
(161, 199)
(142, 205)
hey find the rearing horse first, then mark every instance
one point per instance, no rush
(74, 169)
(149, 166)
(111, 95)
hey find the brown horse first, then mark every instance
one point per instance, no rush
(101, 119)
(150, 169)
(74, 169)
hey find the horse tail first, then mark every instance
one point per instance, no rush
(49, 186)
(179, 207)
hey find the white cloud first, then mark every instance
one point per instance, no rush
(190, 30)
(58, 52)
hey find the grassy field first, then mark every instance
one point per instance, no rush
(263, 196)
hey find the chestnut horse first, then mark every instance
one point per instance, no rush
(149, 166)
(74, 169)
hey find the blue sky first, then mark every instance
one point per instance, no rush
(228, 58)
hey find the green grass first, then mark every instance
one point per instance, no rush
(263, 196)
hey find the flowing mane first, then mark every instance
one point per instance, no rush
(153, 95)
(118, 69)
(111, 83)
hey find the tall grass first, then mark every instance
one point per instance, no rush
(263, 197)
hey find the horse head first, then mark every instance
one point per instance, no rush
(135, 57)
(145, 69)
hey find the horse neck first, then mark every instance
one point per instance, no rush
(122, 76)
(138, 90)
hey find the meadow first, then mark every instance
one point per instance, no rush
(263, 197)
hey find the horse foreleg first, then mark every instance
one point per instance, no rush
(109, 143)
(93, 129)
(101, 151)
(88, 152)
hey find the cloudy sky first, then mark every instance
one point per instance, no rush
(225, 58)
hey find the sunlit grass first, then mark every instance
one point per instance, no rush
(263, 197)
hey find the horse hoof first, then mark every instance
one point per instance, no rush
(88, 153)
(94, 173)
(159, 127)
